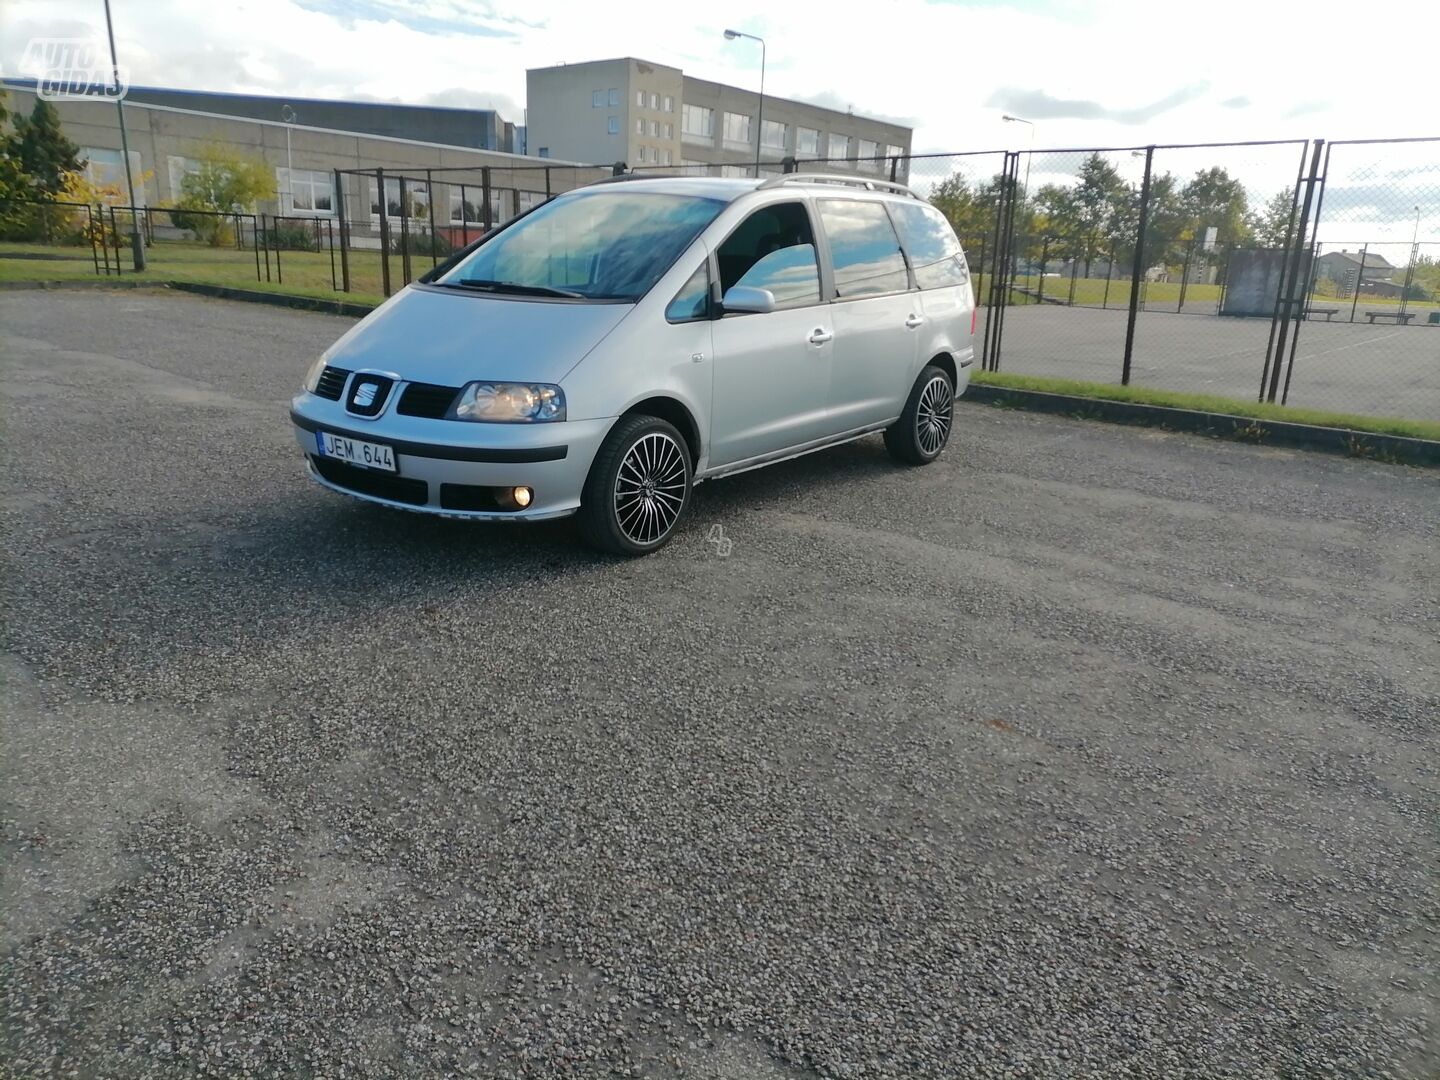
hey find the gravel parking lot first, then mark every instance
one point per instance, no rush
(1086, 752)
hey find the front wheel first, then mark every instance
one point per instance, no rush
(922, 431)
(638, 487)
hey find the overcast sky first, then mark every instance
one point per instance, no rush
(1087, 72)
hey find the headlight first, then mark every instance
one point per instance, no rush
(510, 403)
(312, 377)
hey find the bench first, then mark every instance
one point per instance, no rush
(1328, 312)
(1402, 319)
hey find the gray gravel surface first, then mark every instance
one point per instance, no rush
(1086, 752)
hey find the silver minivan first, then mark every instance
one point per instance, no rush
(620, 343)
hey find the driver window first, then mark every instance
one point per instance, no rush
(774, 248)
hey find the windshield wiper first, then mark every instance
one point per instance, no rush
(514, 287)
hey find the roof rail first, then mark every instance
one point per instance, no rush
(836, 178)
(621, 178)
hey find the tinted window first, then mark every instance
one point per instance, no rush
(774, 248)
(791, 274)
(863, 247)
(693, 299)
(607, 245)
(934, 252)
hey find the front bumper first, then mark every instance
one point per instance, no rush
(446, 466)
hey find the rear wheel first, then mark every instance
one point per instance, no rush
(638, 488)
(922, 431)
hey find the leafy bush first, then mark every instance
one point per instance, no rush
(419, 243)
(292, 236)
(216, 230)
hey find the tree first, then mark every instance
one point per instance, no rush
(45, 155)
(1213, 199)
(226, 182)
(1271, 226)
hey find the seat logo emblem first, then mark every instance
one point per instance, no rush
(364, 395)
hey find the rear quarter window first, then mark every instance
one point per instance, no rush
(935, 255)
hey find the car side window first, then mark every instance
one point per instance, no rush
(774, 248)
(693, 300)
(929, 240)
(863, 248)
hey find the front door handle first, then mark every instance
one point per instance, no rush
(913, 321)
(819, 336)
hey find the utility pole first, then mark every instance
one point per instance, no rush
(137, 241)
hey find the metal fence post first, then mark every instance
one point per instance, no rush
(90, 232)
(1314, 195)
(430, 199)
(1286, 301)
(1185, 275)
(404, 233)
(1044, 263)
(487, 219)
(384, 231)
(344, 245)
(464, 218)
(330, 237)
(115, 232)
(1137, 269)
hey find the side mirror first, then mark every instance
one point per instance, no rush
(747, 298)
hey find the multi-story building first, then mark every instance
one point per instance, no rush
(643, 113)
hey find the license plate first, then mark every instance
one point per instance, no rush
(367, 455)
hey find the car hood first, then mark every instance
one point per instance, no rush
(451, 337)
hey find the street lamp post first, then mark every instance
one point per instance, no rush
(731, 35)
(1031, 152)
(137, 242)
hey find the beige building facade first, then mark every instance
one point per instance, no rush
(647, 114)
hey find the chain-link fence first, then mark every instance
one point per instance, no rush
(1306, 272)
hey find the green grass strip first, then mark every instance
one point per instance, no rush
(1144, 395)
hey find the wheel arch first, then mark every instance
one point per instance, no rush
(673, 411)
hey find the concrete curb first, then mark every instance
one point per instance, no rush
(1366, 444)
(219, 292)
(286, 300)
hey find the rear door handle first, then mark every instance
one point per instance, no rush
(819, 336)
(913, 321)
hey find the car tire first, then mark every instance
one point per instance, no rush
(920, 435)
(638, 488)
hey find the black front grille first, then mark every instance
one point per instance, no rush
(369, 482)
(331, 383)
(473, 497)
(426, 399)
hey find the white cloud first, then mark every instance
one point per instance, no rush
(1132, 78)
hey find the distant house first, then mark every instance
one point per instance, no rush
(1343, 268)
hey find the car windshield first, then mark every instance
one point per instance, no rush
(599, 245)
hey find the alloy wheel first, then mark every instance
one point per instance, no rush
(650, 488)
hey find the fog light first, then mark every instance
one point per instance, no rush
(521, 496)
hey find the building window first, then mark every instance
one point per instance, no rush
(473, 209)
(894, 151)
(310, 192)
(639, 126)
(774, 134)
(639, 99)
(612, 125)
(867, 154)
(106, 168)
(807, 141)
(544, 152)
(666, 158)
(669, 103)
(416, 204)
(669, 131)
(697, 123)
(654, 129)
(655, 101)
(178, 169)
(838, 147)
(613, 96)
(738, 129)
(597, 99)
